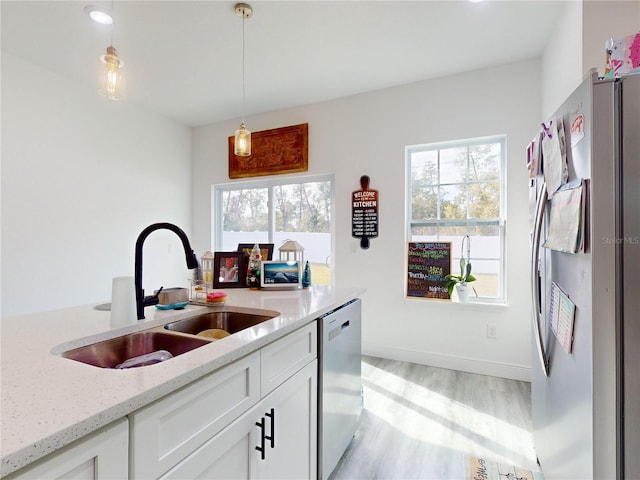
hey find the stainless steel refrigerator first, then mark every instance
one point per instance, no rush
(586, 398)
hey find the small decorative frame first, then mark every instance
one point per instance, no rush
(273, 152)
(266, 250)
(229, 270)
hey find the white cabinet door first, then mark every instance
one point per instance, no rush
(170, 429)
(290, 417)
(101, 455)
(230, 454)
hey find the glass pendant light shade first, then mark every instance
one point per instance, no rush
(242, 145)
(112, 79)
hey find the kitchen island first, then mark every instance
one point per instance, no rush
(49, 401)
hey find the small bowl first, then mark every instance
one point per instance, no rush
(215, 333)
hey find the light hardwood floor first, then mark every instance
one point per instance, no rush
(419, 421)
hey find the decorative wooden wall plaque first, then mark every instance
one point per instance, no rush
(276, 151)
(364, 213)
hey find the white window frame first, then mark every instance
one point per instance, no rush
(269, 183)
(500, 222)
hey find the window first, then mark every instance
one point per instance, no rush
(457, 189)
(272, 211)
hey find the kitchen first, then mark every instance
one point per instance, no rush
(61, 222)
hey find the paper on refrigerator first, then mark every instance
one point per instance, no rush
(566, 225)
(554, 156)
(562, 312)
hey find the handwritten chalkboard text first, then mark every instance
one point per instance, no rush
(427, 266)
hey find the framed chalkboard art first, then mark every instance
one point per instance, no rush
(428, 263)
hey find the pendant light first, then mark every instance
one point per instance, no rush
(112, 79)
(242, 144)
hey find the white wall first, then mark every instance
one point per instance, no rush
(562, 59)
(602, 20)
(81, 177)
(577, 45)
(367, 134)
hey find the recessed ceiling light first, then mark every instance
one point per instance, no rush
(98, 15)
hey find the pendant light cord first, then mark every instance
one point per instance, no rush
(243, 89)
(112, 22)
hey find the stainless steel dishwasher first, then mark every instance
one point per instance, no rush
(339, 384)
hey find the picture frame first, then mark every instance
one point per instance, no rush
(281, 275)
(266, 250)
(229, 270)
(273, 152)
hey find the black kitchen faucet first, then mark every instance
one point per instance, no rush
(192, 262)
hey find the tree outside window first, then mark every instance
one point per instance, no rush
(272, 211)
(457, 189)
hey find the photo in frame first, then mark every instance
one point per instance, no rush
(229, 270)
(266, 250)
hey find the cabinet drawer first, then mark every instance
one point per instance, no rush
(168, 430)
(231, 454)
(284, 357)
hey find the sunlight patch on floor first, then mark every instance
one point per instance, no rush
(431, 417)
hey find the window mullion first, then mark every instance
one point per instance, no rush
(468, 189)
(271, 213)
(438, 198)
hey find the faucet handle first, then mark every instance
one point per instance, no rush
(152, 299)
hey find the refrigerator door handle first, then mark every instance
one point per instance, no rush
(535, 272)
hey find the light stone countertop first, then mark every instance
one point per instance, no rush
(49, 401)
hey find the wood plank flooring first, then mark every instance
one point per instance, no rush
(419, 421)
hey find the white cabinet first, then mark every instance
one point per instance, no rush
(168, 430)
(230, 454)
(289, 415)
(101, 455)
(211, 428)
(274, 440)
(284, 357)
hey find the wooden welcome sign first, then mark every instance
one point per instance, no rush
(364, 213)
(427, 266)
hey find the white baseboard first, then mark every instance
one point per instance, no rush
(483, 367)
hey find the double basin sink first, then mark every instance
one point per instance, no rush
(162, 343)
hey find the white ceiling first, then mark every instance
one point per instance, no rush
(182, 58)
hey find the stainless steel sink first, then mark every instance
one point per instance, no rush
(176, 338)
(230, 321)
(113, 352)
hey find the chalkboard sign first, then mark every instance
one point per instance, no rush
(428, 265)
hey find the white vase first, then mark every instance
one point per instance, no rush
(463, 290)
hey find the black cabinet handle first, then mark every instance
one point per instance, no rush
(261, 447)
(272, 437)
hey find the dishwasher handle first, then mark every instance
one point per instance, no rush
(334, 332)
